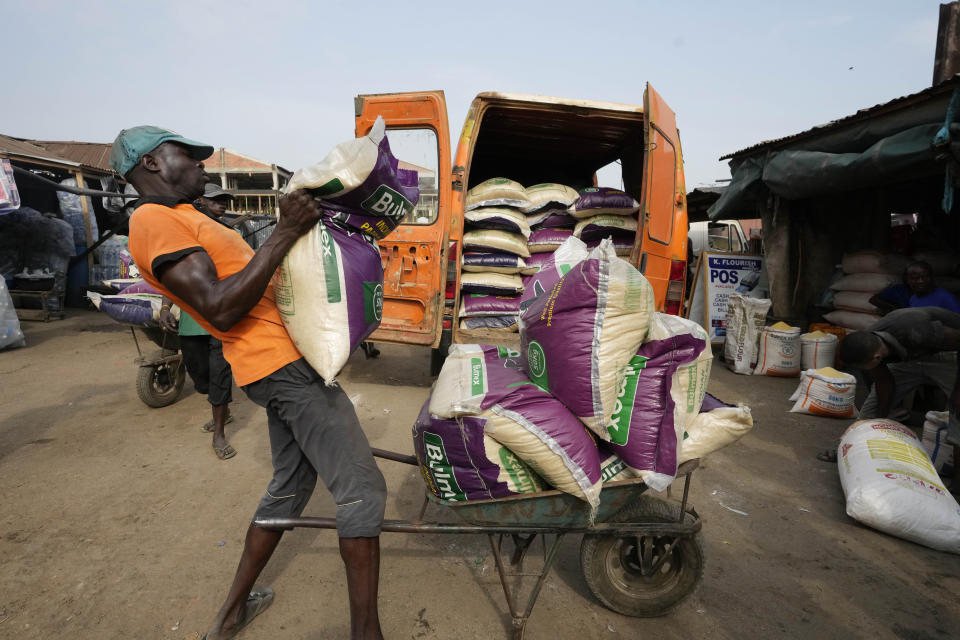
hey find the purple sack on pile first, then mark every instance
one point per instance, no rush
(375, 205)
(555, 266)
(542, 240)
(458, 462)
(140, 287)
(595, 201)
(479, 304)
(642, 430)
(557, 219)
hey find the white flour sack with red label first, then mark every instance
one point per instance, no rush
(745, 319)
(890, 485)
(825, 392)
(779, 351)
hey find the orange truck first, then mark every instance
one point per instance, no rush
(530, 139)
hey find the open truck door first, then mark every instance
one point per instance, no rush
(415, 254)
(662, 252)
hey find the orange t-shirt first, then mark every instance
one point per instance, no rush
(256, 346)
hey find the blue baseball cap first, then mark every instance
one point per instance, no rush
(132, 143)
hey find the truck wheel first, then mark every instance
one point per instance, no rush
(438, 355)
(617, 568)
(159, 385)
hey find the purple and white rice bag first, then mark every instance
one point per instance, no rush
(329, 292)
(546, 240)
(486, 381)
(622, 245)
(499, 323)
(459, 462)
(555, 266)
(496, 284)
(606, 226)
(141, 309)
(595, 201)
(553, 220)
(480, 304)
(501, 218)
(496, 263)
(360, 184)
(578, 337)
(642, 429)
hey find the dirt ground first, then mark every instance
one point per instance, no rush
(119, 522)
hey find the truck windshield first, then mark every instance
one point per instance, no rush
(416, 149)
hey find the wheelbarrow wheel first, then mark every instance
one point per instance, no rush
(619, 569)
(159, 385)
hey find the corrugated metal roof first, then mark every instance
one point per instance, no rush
(23, 149)
(90, 154)
(903, 102)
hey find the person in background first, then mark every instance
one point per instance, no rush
(917, 290)
(202, 353)
(904, 350)
(212, 274)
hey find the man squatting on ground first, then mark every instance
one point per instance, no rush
(212, 274)
(904, 350)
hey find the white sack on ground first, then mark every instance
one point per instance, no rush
(745, 319)
(825, 392)
(714, 430)
(891, 486)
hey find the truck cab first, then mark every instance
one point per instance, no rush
(530, 139)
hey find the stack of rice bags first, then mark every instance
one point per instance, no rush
(602, 389)
(495, 238)
(866, 273)
(604, 212)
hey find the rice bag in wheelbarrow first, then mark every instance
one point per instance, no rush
(361, 185)
(459, 462)
(329, 292)
(643, 429)
(486, 381)
(577, 338)
(141, 309)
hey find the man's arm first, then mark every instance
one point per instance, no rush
(882, 304)
(225, 302)
(885, 386)
(167, 321)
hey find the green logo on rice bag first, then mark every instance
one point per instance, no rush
(611, 468)
(440, 468)
(387, 203)
(331, 264)
(619, 427)
(372, 302)
(333, 186)
(521, 477)
(537, 365)
(476, 376)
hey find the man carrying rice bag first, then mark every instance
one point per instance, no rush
(212, 274)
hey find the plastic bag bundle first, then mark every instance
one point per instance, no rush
(9, 194)
(577, 339)
(642, 430)
(71, 209)
(817, 350)
(891, 486)
(744, 321)
(825, 392)
(360, 185)
(485, 381)
(780, 353)
(329, 292)
(459, 462)
(10, 333)
(934, 439)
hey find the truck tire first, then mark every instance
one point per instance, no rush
(159, 385)
(614, 566)
(438, 355)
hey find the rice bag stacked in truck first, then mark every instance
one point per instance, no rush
(494, 255)
(329, 288)
(486, 383)
(604, 212)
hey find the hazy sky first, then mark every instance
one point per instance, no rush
(276, 80)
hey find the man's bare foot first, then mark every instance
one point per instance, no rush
(257, 603)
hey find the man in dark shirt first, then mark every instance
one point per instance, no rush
(903, 350)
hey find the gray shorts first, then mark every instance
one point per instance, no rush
(314, 430)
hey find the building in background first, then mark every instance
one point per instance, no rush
(253, 183)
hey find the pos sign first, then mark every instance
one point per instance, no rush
(719, 275)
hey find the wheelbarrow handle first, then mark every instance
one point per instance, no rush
(396, 457)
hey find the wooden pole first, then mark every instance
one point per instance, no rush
(946, 62)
